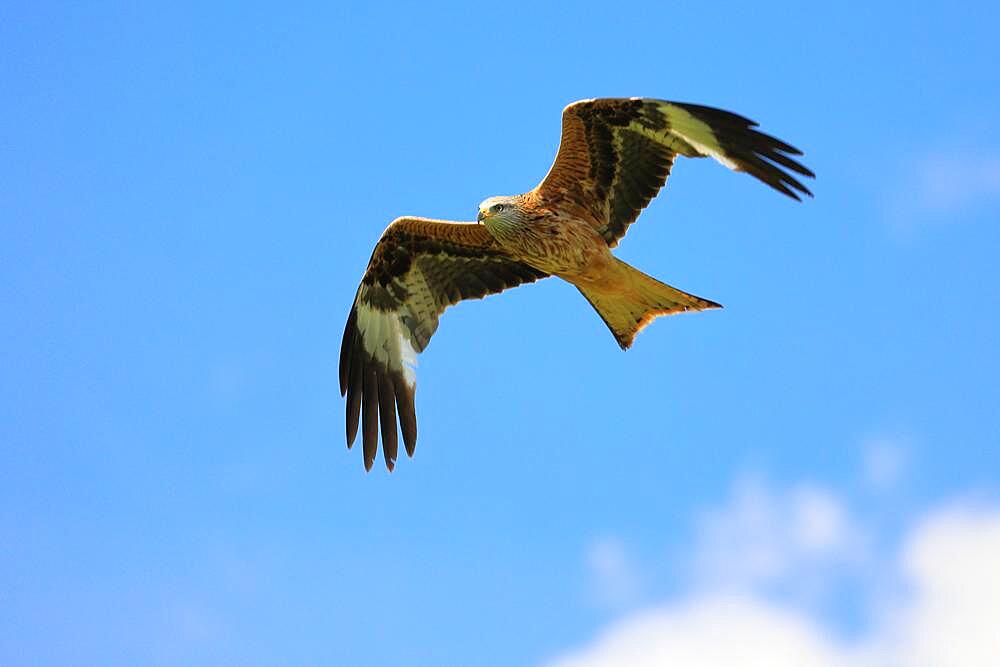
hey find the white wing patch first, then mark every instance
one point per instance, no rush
(696, 133)
(385, 338)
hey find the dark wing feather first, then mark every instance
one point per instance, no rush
(616, 154)
(419, 268)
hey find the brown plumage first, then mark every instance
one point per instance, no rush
(613, 158)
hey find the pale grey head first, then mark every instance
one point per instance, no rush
(499, 210)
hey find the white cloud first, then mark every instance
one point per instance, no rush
(953, 614)
(614, 576)
(945, 615)
(708, 631)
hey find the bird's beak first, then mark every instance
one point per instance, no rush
(481, 216)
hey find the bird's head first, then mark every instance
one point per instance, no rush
(497, 210)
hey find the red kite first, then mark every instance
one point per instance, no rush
(614, 156)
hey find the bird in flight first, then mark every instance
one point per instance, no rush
(613, 157)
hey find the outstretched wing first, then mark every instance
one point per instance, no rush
(419, 268)
(616, 154)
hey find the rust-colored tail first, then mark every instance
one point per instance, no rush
(629, 300)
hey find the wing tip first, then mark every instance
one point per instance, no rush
(377, 397)
(761, 155)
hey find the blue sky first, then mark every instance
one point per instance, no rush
(189, 196)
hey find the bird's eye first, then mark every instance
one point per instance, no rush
(497, 208)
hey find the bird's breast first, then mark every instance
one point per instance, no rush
(566, 247)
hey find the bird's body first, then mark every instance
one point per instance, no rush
(555, 242)
(614, 156)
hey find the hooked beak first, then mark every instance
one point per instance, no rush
(481, 216)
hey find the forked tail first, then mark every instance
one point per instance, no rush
(629, 300)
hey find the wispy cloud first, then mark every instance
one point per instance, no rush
(767, 536)
(943, 188)
(614, 575)
(949, 182)
(885, 459)
(186, 627)
(946, 615)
